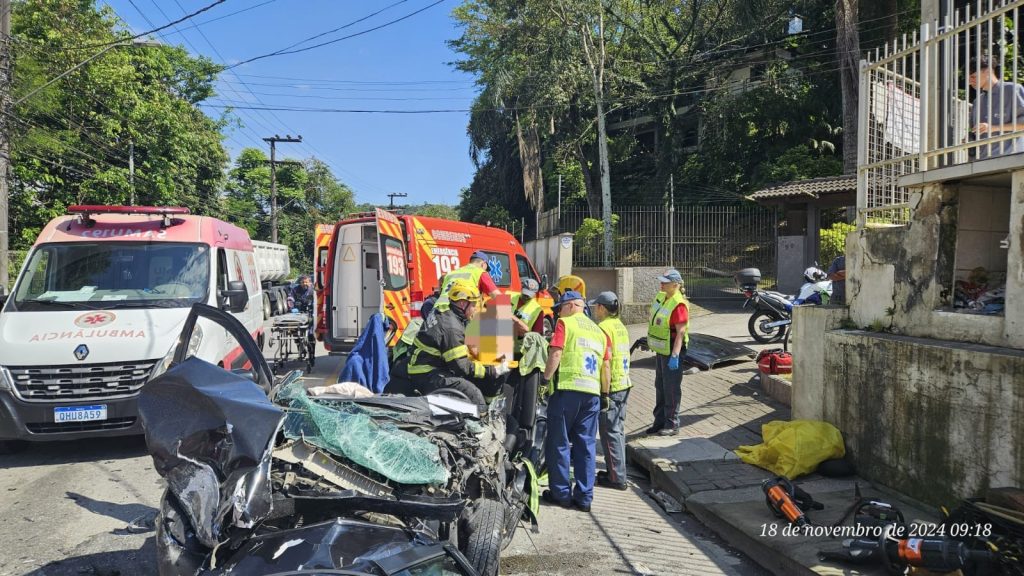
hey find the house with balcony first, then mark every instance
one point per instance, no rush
(923, 371)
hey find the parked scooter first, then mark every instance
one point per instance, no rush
(772, 313)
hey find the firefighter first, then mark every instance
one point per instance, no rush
(611, 423)
(440, 357)
(475, 273)
(668, 333)
(577, 376)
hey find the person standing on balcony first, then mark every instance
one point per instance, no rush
(999, 109)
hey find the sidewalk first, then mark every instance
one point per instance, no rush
(721, 410)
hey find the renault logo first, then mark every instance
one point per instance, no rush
(82, 352)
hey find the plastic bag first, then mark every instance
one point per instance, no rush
(795, 448)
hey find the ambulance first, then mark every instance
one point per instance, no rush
(97, 310)
(390, 263)
(321, 250)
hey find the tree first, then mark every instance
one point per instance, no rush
(308, 194)
(71, 140)
(434, 211)
(848, 53)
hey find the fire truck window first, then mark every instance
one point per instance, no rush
(395, 267)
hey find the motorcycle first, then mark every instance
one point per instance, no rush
(773, 311)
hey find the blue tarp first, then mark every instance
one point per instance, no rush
(367, 363)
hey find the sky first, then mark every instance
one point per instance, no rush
(401, 66)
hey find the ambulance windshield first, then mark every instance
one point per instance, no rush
(104, 275)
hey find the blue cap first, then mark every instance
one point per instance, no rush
(671, 275)
(480, 254)
(569, 296)
(605, 299)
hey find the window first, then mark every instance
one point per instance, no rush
(114, 275)
(498, 268)
(395, 268)
(525, 270)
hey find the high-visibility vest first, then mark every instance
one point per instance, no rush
(659, 332)
(619, 335)
(529, 312)
(470, 272)
(582, 356)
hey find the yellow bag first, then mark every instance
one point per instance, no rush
(794, 448)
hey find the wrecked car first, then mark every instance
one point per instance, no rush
(263, 477)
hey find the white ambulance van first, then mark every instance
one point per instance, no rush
(98, 306)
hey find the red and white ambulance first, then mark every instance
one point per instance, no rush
(98, 306)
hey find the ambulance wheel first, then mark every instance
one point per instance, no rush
(482, 530)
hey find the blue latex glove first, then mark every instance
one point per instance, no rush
(673, 362)
(295, 310)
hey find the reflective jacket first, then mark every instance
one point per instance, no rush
(440, 346)
(471, 272)
(579, 370)
(659, 332)
(619, 335)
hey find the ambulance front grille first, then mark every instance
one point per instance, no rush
(79, 381)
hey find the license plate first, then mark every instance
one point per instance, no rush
(80, 413)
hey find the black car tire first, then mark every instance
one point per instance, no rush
(483, 536)
(754, 327)
(12, 446)
(266, 306)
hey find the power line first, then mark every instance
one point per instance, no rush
(159, 28)
(284, 51)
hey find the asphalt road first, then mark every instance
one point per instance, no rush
(68, 509)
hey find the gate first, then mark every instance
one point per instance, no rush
(707, 243)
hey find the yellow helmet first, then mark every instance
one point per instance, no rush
(463, 290)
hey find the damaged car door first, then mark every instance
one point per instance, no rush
(211, 430)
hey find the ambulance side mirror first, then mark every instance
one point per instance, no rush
(236, 297)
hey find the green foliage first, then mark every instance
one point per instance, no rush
(307, 194)
(492, 215)
(434, 211)
(589, 238)
(833, 242)
(70, 141)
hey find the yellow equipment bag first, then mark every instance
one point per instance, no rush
(795, 448)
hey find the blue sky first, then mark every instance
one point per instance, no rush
(399, 67)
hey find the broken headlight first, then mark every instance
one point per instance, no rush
(193, 349)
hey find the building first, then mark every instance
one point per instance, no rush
(923, 372)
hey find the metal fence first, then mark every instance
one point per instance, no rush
(915, 111)
(706, 243)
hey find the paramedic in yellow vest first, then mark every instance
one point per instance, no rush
(611, 423)
(475, 273)
(526, 311)
(667, 336)
(578, 375)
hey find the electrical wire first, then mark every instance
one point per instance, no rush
(285, 51)
(158, 28)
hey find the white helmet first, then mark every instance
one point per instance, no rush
(814, 274)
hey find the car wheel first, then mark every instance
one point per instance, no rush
(482, 531)
(12, 446)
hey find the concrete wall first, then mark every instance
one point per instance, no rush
(636, 287)
(790, 267)
(551, 256)
(937, 420)
(808, 348)
(983, 221)
(900, 279)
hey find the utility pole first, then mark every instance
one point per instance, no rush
(131, 171)
(392, 197)
(273, 140)
(5, 109)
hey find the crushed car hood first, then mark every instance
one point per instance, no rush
(706, 351)
(210, 433)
